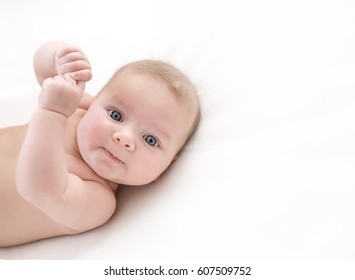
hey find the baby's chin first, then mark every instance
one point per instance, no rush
(137, 180)
(133, 183)
(124, 181)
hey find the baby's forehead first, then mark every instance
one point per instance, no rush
(156, 97)
(175, 94)
(124, 83)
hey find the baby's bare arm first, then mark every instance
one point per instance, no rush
(42, 176)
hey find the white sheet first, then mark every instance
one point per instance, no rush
(270, 173)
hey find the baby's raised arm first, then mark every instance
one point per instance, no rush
(42, 174)
(57, 58)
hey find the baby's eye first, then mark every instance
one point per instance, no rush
(115, 115)
(151, 140)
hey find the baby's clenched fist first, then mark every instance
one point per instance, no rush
(71, 59)
(60, 94)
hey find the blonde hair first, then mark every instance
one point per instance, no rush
(175, 80)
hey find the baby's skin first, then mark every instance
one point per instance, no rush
(21, 221)
(60, 172)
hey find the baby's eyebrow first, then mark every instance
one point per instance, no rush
(115, 100)
(159, 129)
(160, 132)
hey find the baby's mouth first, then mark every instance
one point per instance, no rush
(113, 157)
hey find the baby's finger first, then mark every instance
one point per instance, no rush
(82, 75)
(69, 79)
(58, 78)
(65, 50)
(73, 56)
(81, 85)
(74, 66)
(73, 82)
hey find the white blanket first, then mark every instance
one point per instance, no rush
(270, 172)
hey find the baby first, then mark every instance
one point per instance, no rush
(60, 172)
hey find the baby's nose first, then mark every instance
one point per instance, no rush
(125, 140)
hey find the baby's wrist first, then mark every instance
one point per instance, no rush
(58, 112)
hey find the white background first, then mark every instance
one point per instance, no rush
(270, 172)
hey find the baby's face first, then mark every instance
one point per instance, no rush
(133, 130)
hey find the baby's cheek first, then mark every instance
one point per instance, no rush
(153, 167)
(93, 125)
(89, 129)
(92, 129)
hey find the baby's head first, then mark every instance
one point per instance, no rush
(139, 122)
(180, 87)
